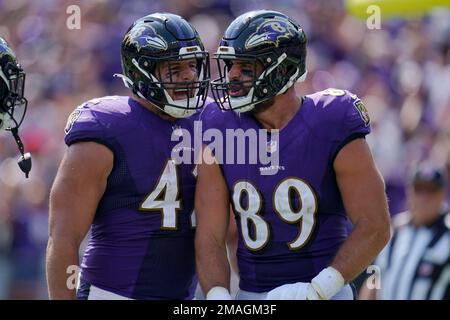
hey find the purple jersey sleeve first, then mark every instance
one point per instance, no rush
(99, 120)
(356, 118)
(83, 125)
(355, 121)
(340, 117)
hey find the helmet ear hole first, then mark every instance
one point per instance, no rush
(147, 65)
(261, 91)
(152, 92)
(279, 77)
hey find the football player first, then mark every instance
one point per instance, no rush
(12, 100)
(117, 176)
(293, 216)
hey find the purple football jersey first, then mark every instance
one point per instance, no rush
(142, 236)
(293, 221)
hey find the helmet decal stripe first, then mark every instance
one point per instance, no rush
(270, 31)
(150, 39)
(180, 35)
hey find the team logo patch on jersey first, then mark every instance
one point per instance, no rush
(271, 31)
(359, 105)
(145, 36)
(70, 121)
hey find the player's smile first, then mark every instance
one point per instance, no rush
(182, 93)
(183, 73)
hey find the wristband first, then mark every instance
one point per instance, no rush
(327, 283)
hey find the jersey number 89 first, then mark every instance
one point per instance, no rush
(304, 215)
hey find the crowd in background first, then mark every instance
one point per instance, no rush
(401, 72)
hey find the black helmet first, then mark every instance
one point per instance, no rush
(163, 37)
(12, 85)
(270, 38)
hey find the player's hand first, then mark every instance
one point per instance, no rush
(311, 293)
(218, 293)
(322, 287)
(291, 291)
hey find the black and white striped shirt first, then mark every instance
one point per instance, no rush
(415, 264)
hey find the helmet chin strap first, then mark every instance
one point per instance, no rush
(126, 81)
(6, 121)
(129, 84)
(24, 161)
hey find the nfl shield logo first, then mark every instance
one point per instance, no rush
(271, 146)
(177, 131)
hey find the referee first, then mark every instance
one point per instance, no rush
(415, 264)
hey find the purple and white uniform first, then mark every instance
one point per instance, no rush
(291, 223)
(142, 236)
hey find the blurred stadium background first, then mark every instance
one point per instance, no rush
(401, 71)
